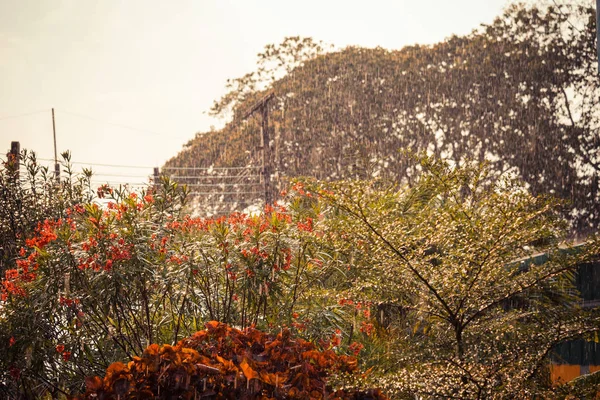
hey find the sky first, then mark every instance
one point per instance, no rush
(131, 81)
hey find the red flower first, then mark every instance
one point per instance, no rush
(355, 348)
(65, 302)
(308, 226)
(336, 338)
(66, 355)
(11, 341)
(14, 372)
(60, 348)
(366, 328)
(343, 302)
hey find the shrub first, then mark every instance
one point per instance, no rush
(109, 278)
(227, 363)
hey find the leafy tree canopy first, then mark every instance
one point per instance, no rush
(521, 93)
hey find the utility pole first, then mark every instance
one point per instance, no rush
(14, 159)
(598, 32)
(262, 106)
(56, 166)
(156, 178)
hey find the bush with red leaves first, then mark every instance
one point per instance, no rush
(222, 362)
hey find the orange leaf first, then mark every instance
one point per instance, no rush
(212, 324)
(93, 383)
(152, 350)
(277, 379)
(115, 368)
(249, 373)
(190, 355)
(228, 364)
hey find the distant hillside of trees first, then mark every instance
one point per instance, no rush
(521, 93)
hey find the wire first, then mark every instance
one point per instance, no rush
(121, 183)
(213, 176)
(22, 115)
(102, 165)
(132, 128)
(566, 17)
(221, 184)
(121, 175)
(211, 168)
(177, 168)
(220, 193)
(175, 177)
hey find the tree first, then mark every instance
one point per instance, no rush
(521, 93)
(475, 317)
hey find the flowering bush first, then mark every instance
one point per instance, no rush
(107, 279)
(29, 193)
(224, 362)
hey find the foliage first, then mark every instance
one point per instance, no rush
(224, 362)
(273, 63)
(30, 193)
(521, 93)
(463, 311)
(108, 279)
(432, 284)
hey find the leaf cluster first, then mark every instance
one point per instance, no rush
(222, 362)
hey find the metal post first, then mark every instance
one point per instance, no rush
(263, 106)
(56, 166)
(266, 154)
(14, 159)
(598, 32)
(156, 177)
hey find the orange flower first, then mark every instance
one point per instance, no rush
(366, 328)
(355, 348)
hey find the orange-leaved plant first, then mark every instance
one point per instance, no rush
(222, 362)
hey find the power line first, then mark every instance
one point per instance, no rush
(102, 165)
(220, 184)
(212, 168)
(222, 193)
(164, 168)
(22, 115)
(124, 176)
(212, 176)
(121, 183)
(132, 128)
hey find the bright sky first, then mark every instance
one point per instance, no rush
(110, 65)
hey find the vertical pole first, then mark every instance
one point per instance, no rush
(156, 174)
(14, 159)
(263, 107)
(266, 154)
(56, 166)
(598, 32)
